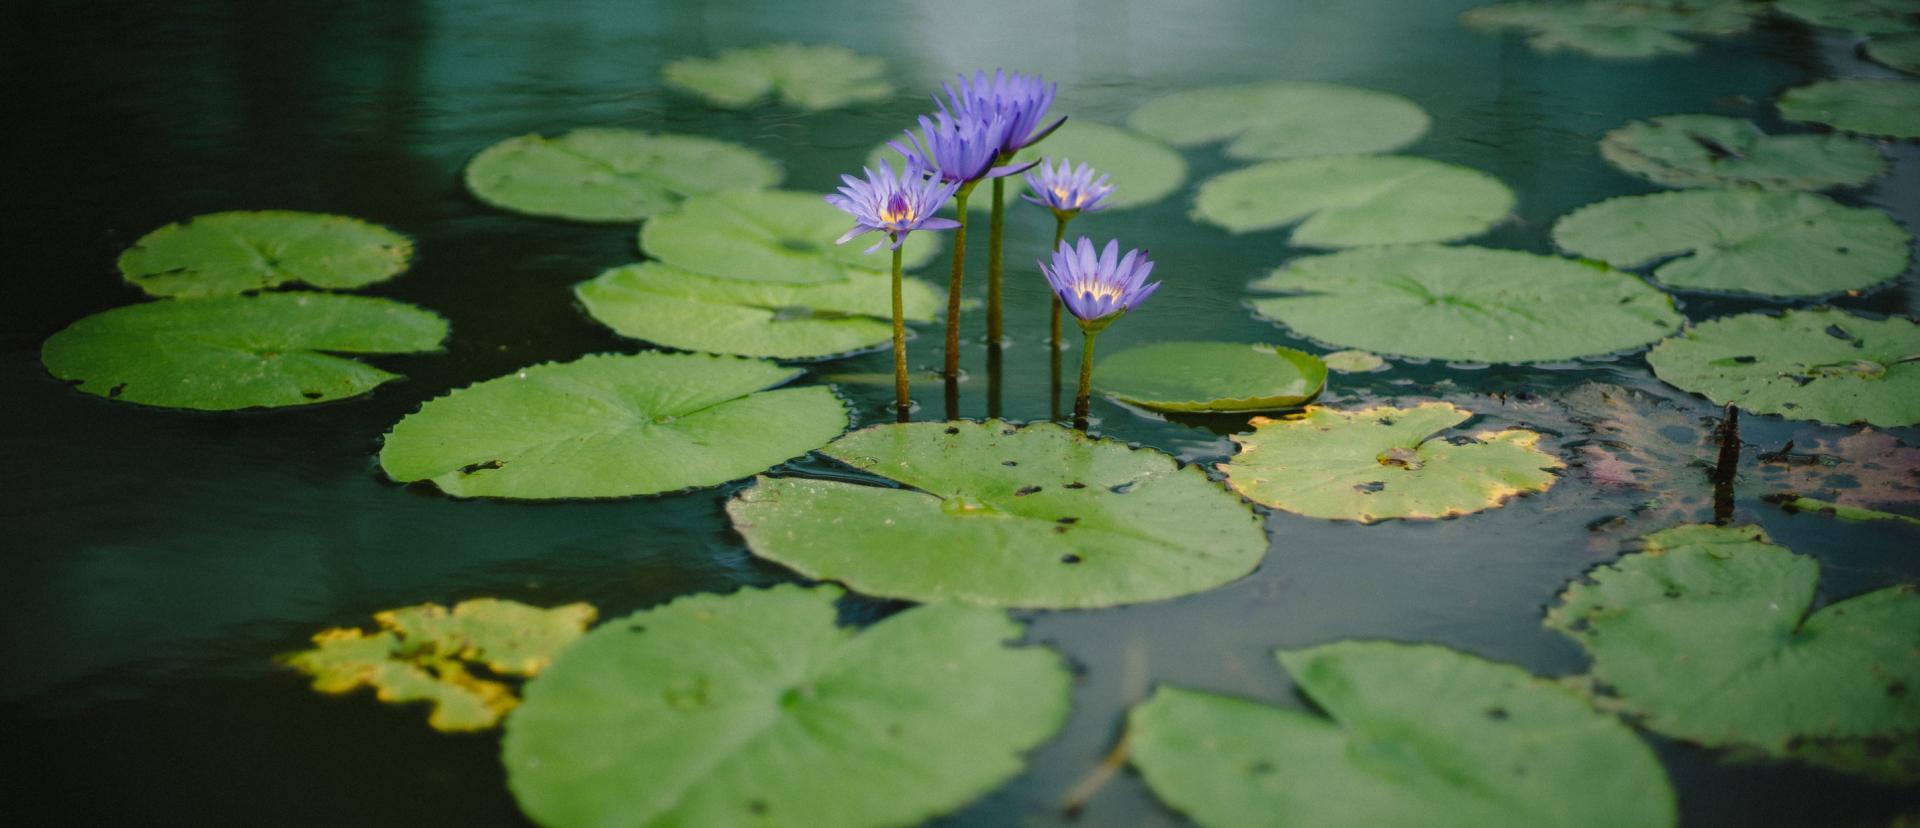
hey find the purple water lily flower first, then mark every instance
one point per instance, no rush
(960, 150)
(1066, 189)
(895, 205)
(1024, 99)
(1097, 289)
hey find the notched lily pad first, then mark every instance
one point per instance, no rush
(1900, 51)
(1707, 635)
(806, 76)
(1714, 151)
(1284, 119)
(612, 426)
(1212, 376)
(1385, 462)
(998, 515)
(672, 307)
(1821, 364)
(1771, 244)
(1862, 16)
(1879, 107)
(1612, 28)
(611, 175)
(1411, 735)
(770, 236)
(756, 708)
(429, 653)
(1470, 304)
(221, 254)
(228, 353)
(1356, 200)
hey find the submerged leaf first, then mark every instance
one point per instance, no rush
(1714, 151)
(1356, 200)
(1888, 108)
(228, 253)
(770, 236)
(757, 709)
(1212, 376)
(1821, 364)
(1385, 462)
(1284, 119)
(1034, 516)
(808, 76)
(1354, 362)
(611, 175)
(1412, 735)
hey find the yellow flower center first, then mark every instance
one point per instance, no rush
(890, 215)
(1099, 290)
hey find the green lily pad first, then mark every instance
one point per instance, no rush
(1412, 735)
(1354, 362)
(807, 76)
(1466, 303)
(1212, 376)
(612, 425)
(425, 653)
(222, 254)
(757, 709)
(1143, 170)
(1284, 119)
(1385, 462)
(1356, 200)
(672, 307)
(1612, 28)
(1771, 244)
(771, 236)
(1821, 364)
(1884, 108)
(1033, 516)
(1712, 151)
(1795, 503)
(1707, 636)
(1900, 51)
(611, 175)
(1861, 16)
(228, 353)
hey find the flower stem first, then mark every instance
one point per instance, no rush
(1059, 234)
(1081, 402)
(953, 284)
(996, 227)
(899, 339)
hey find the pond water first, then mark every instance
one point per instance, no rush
(157, 560)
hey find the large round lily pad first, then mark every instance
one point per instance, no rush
(1771, 244)
(1900, 51)
(1284, 119)
(1465, 303)
(1862, 16)
(1212, 376)
(665, 305)
(807, 76)
(757, 709)
(1714, 151)
(1885, 108)
(1385, 462)
(266, 351)
(1821, 364)
(611, 175)
(1356, 200)
(1708, 636)
(770, 236)
(1412, 735)
(612, 426)
(227, 253)
(1612, 28)
(1030, 516)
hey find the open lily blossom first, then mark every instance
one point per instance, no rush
(961, 150)
(1067, 189)
(895, 205)
(1024, 99)
(1098, 288)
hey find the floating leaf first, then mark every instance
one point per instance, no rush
(1706, 636)
(672, 307)
(1612, 28)
(237, 352)
(1465, 303)
(611, 175)
(1712, 151)
(1866, 469)
(1636, 443)
(756, 709)
(227, 253)
(612, 426)
(808, 76)
(1284, 119)
(1358, 200)
(1412, 735)
(1354, 362)
(1822, 364)
(1862, 16)
(1771, 244)
(1795, 503)
(1900, 51)
(1885, 108)
(1034, 516)
(422, 653)
(1212, 376)
(1143, 169)
(1385, 462)
(770, 236)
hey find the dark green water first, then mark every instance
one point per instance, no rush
(155, 560)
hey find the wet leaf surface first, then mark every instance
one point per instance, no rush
(611, 175)
(1715, 151)
(1823, 364)
(1284, 119)
(1355, 200)
(221, 254)
(1877, 107)
(771, 236)
(1211, 376)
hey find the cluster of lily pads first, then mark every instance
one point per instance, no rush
(759, 707)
